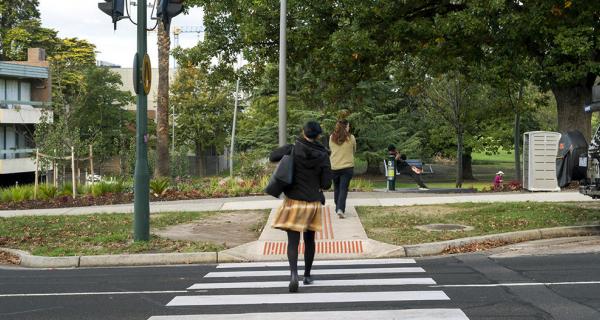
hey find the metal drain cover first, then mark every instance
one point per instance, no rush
(444, 227)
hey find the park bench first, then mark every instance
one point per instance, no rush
(418, 163)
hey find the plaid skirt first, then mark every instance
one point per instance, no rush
(297, 215)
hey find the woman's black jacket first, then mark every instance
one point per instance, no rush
(312, 170)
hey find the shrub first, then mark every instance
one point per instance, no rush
(514, 185)
(46, 192)
(66, 190)
(159, 186)
(5, 195)
(99, 188)
(252, 165)
(361, 185)
(21, 193)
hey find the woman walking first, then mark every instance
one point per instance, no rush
(301, 209)
(343, 147)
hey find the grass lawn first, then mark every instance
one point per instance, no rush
(501, 157)
(396, 225)
(479, 185)
(96, 234)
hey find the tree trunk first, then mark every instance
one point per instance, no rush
(162, 106)
(199, 160)
(459, 159)
(467, 164)
(569, 104)
(517, 143)
(373, 165)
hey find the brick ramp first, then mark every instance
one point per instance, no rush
(339, 239)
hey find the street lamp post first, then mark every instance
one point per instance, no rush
(282, 74)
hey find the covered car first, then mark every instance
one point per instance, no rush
(571, 160)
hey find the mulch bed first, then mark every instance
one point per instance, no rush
(9, 258)
(68, 201)
(106, 199)
(477, 246)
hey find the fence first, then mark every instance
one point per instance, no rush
(213, 165)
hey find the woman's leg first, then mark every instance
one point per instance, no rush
(344, 186)
(309, 254)
(336, 187)
(292, 254)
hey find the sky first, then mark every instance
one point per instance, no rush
(83, 19)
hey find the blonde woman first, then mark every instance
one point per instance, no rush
(301, 209)
(343, 147)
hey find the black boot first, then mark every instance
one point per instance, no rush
(309, 255)
(293, 241)
(294, 282)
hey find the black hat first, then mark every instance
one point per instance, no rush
(391, 147)
(312, 129)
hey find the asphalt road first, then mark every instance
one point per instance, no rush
(459, 287)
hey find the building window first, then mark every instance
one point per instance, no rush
(25, 92)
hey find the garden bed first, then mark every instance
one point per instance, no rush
(98, 234)
(397, 225)
(160, 190)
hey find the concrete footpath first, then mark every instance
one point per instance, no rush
(339, 238)
(268, 202)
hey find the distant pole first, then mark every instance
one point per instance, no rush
(37, 166)
(141, 206)
(73, 172)
(173, 133)
(92, 163)
(282, 74)
(237, 90)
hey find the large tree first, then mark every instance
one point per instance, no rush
(204, 111)
(14, 14)
(555, 42)
(162, 106)
(86, 103)
(561, 38)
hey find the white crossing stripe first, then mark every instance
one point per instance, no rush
(109, 293)
(328, 297)
(517, 284)
(316, 263)
(317, 283)
(314, 272)
(408, 314)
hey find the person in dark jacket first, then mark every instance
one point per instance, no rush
(301, 209)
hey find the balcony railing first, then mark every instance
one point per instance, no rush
(12, 104)
(16, 153)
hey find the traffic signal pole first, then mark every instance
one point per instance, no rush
(166, 10)
(141, 205)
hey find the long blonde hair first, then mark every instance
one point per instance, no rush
(340, 134)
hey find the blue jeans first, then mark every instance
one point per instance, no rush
(341, 183)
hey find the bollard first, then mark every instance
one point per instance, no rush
(390, 172)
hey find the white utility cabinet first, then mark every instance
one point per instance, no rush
(539, 160)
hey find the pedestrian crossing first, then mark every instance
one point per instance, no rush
(343, 289)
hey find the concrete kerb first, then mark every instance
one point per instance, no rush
(384, 250)
(145, 259)
(30, 261)
(435, 248)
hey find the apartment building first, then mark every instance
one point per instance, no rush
(25, 88)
